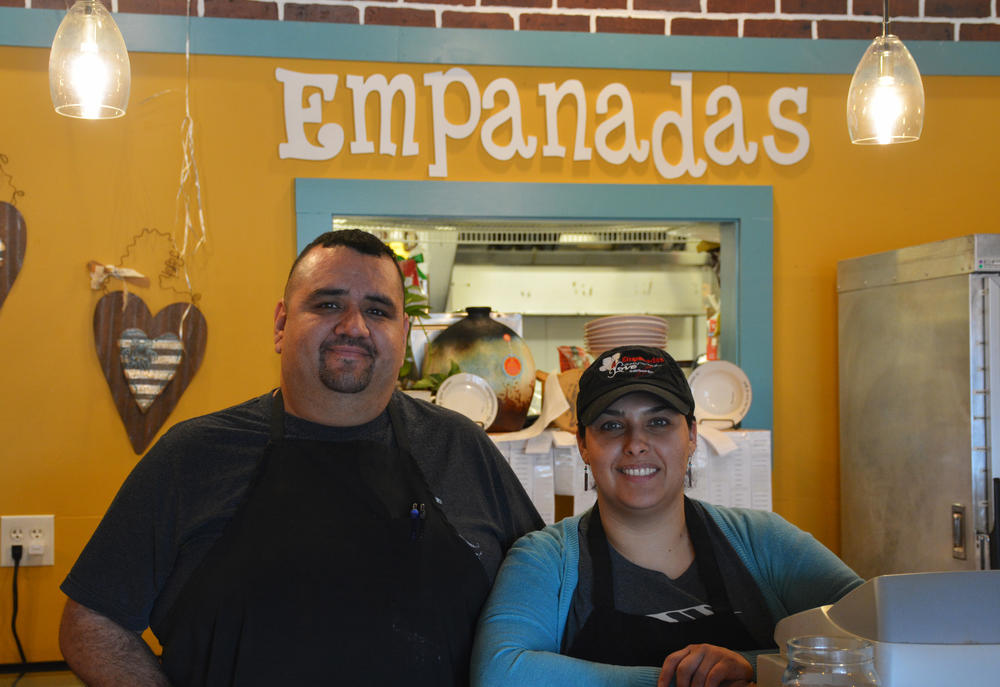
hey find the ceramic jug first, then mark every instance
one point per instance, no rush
(482, 346)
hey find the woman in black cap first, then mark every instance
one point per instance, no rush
(648, 587)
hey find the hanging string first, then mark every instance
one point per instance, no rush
(190, 176)
(16, 193)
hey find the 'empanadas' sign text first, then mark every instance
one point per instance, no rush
(304, 95)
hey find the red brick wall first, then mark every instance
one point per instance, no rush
(939, 20)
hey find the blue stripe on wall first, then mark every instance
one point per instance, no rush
(747, 249)
(318, 40)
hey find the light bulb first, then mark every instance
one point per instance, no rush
(89, 71)
(886, 107)
(88, 77)
(885, 103)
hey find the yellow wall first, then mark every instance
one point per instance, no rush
(90, 186)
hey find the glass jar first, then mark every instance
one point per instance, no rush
(830, 662)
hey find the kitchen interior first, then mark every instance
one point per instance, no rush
(885, 339)
(558, 276)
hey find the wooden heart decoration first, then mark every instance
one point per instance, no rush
(147, 361)
(13, 241)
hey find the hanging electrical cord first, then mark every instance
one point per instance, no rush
(15, 552)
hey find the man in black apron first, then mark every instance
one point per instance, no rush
(371, 584)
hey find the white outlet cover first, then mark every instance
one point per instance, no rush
(33, 529)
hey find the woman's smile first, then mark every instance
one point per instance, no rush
(638, 471)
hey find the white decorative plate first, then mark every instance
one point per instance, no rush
(721, 391)
(470, 395)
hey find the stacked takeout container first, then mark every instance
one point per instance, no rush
(624, 330)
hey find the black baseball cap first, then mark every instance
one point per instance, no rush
(628, 369)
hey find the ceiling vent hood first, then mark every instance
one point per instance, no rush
(559, 268)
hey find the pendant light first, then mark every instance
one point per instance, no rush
(89, 73)
(886, 101)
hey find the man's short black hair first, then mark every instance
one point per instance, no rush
(355, 239)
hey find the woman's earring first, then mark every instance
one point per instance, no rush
(586, 477)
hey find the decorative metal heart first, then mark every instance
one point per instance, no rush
(147, 361)
(148, 364)
(13, 240)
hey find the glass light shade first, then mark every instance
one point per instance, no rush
(886, 101)
(89, 72)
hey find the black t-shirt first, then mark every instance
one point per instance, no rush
(182, 493)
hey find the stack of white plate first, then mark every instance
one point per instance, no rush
(624, 330)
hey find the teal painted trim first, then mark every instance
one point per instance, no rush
(746, 282)
(318, 40)
(756, 297)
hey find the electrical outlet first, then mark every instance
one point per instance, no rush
(35, 533)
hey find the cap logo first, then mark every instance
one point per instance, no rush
(631, 365)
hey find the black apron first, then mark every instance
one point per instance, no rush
(338, 568)
(618, 638)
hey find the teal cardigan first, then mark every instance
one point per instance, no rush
(521, 626)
